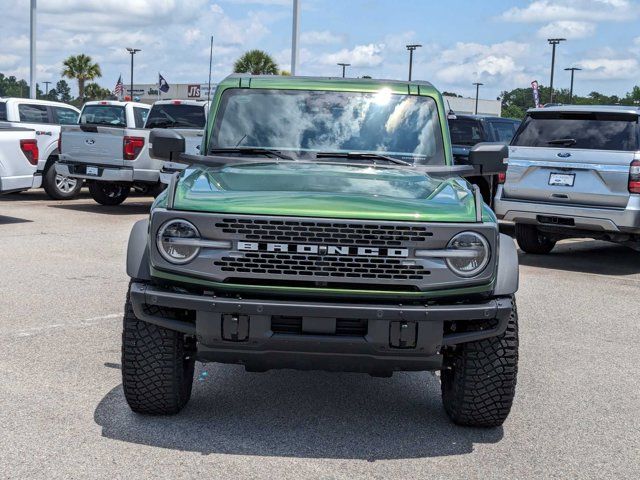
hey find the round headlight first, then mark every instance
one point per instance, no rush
(173, 241)
(473, 257)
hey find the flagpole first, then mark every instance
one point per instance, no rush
(210, 62)
(159, 92)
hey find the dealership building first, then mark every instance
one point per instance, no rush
(148, 93)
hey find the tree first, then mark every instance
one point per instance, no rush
(82, 68)
(52, 95)
(451, 94)
(93, 91)
(63, 90)
(285, 73)
(256, 62)
(12, 87)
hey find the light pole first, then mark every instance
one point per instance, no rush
(572, 70)
(477, 84)
(132, 51)
(295, 36)
(46, 86)
(344, 66)
(553, 42)
(411, 49)
(32, 71)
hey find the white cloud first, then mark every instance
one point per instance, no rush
(567, 29)
(369, 55)
(539, 11)
(609, 69)
(324, 37)
(191, 35)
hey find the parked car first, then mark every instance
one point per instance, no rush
(18, 159)
(45, 117)
(574, 171)
(107, 149)
(469, 130)
(187, 117)
(301, 238)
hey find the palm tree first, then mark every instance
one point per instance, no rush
(256, 62)
(82, 68)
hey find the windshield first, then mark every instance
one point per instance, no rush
(171, 115)
(400, 126)
(597, 131)
(112, 115)
(465, 131)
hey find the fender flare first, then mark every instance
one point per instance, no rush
(507, 279)
(138, 251)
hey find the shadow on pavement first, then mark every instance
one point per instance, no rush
(4, 220)
(301, 414)
(588, 256)
(128, 208)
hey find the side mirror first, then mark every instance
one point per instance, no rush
(166, 144)
(489, 158)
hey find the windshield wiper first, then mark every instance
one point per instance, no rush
(162, 124)
(563, 141)
(362, 156)
(268, 152)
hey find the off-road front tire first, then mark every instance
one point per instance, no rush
(478, 379)
(531, 240)
(157, 366)
(58, 186)
(108, 193)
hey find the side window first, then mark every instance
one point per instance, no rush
(3, 112)
(140, 116)
(33, 113)
(503, 131)
(65, 116)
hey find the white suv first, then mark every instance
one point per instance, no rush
(45, 117)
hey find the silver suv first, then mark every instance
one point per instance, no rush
(574, 171)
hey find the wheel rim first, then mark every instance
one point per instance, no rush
(65, 184)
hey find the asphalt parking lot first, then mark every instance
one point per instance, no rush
(63, 414)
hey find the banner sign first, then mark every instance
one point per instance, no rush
(536, 93)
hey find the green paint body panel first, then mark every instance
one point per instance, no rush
(393, 193)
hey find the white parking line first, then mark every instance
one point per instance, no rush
(29, 332)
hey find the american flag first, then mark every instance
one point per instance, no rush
(119, 89)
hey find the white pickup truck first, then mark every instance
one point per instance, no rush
(106, 149)
(45, 117)
(110, 151)
(18, 159)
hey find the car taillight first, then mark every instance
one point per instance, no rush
(502, 177)
(30, 150)
(634, 177)
(131, 147)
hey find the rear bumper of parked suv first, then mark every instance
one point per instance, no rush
(265, 334)
(108, 173)
(625, 219)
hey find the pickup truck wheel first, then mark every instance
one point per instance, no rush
(108, 193)
(157, 367)
(531, 240)
(478, 380)
(59, 187)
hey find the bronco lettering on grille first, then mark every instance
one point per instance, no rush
(322, 249)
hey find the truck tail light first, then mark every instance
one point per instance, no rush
(131, 147)
(634, 177)
(502, 177)
(30, 150)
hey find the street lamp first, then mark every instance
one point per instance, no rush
(132, 51)
(411, 48)
(477, 84)
(344, 66)
(572, 70)
(553, 42)
(46, 85)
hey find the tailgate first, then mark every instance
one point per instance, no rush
(569, 176)
(93, 144)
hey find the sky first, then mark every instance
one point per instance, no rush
(499, 43)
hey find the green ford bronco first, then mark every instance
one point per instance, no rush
(323, 227)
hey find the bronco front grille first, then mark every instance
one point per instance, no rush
(335, 233)
(330, 267)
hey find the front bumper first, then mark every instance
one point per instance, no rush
(386, 337)
(584, 218)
